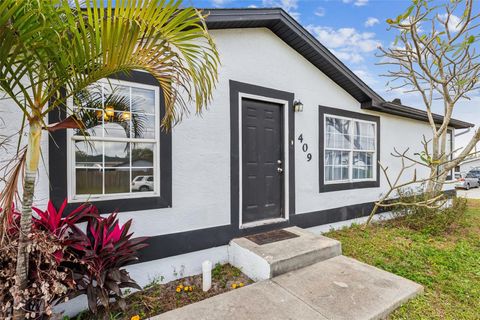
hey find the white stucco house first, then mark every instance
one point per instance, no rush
(468, 164)
(291, 138)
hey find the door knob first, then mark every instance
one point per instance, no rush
(279, 170)
(279, 161)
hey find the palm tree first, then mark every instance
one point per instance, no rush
(52, 50)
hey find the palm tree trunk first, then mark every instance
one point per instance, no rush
(31, 166)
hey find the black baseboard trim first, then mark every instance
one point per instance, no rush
(168, 245)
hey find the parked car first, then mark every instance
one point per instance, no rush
(471, 180)
(142, 183)
(459, 175)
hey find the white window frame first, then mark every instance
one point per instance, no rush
(351, 150)
(71, 176)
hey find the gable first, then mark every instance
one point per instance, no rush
(292, 33)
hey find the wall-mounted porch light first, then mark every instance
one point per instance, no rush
(297, 106)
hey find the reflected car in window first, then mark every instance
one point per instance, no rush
(471, 180)
(142, 183)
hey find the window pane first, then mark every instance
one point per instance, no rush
(121, 112)
(116, 98)
(88, 154)
(363, 158)
(88, 181)
(143, 126)
(337, 157)
(337, 125)
(363, 143)
(117, 154)
(365, 172)
(117, 180)
(362, 165)
(340, 173)
(364, 136)
(336, 165)
(142, 180)
(337, 135)
(142, 154)
(92, 120)
(364, 129)
(143, 100)
(328, 173)
(117, 125)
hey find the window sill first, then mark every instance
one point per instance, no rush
(347, 181)
(330, 187)
(117, 196)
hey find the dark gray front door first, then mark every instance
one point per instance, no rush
(262, 160)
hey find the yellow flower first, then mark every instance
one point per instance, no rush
(234, 286)
(178, 289)
(181, 286)
(190, 288)
(137, 317)
(185, 289)
(241, 284)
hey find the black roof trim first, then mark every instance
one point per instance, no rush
(413, 113)
(292, 33)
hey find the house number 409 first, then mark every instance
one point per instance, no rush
(305, 147)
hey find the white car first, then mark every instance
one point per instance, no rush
(142, 183)
(471, 180)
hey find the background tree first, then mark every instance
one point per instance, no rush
(55, 49)
(435, 55)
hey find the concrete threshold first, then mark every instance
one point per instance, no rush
(337, 288)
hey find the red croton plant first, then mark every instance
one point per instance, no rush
(73, 253)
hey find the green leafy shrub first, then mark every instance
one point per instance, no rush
(433, 221)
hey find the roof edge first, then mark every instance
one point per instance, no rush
(271, 18)
(414, 113)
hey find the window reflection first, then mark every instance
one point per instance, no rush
(119, 153)
(142, 180)
(350, 146)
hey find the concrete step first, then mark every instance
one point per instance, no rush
(265, 261)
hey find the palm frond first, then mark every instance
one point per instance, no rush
(48, 46)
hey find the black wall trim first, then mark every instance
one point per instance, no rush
(235, 89)
(164, 246)
(321, 151)
(57, 149)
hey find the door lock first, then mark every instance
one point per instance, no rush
(279, 170)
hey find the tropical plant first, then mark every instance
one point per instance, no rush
(66, 261)
(52, 50)
(107, 247)
(50, 281)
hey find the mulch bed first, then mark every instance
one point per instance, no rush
(157, 298)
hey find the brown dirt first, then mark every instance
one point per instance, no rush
(158, 298)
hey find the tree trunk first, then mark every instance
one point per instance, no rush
(432, 183)
(31, 166)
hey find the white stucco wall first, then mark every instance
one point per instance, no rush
(469, 164)
(201, 145)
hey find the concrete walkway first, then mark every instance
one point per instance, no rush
(469, 194)
(336, 289)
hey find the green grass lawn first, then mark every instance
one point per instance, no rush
(448, 266)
